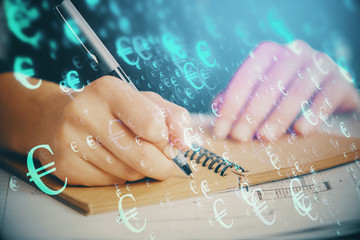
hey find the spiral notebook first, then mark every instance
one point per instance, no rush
(232, 165)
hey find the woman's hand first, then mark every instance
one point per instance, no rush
(274, 85)
(107, 133)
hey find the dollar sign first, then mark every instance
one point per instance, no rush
(132, 213)
(19, 18)
(123, 50)
(220, 215)
(22, 73)
(191, 75)
(308, 113)
(34, 172)
(203, 52)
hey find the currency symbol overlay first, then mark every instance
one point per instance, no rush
(114, 137)
(142, 46)
(23, 68)
(299, 199)
(124, 50)
(73, 81)
(19, 17)
(191, 75)
(33, 173)
(250, 199)
(220, 215)
(132, 213)
(203, 52)
(308, 114)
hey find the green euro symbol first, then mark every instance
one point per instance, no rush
(19, 17)
(34, 172)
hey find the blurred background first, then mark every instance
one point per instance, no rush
(187, 51)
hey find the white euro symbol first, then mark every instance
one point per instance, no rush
(344, 130)
(282, 87)
(308, 113)
(205, 189)
(220, 215)
(300, 206)
(124, 217)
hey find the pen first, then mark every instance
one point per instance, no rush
(65, 10)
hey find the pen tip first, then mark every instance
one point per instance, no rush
(191, 175)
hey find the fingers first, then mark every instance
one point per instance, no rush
(243, 84)
(136, 112)
(177, 119)
(266, 96)
(306, 85)
(332, 97)
(136, 153)
(95, 152)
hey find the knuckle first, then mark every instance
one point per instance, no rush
(265, 45)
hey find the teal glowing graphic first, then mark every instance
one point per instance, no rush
(19, 17)
(33, 173)
(192, 76)
(142, 48)
(23, 68)
(204, 54)
(72, 32)
(279, 26)
(73, 81)
(124, 49)
(172, 44)
(132, 213)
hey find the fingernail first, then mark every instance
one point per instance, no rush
(242, 132)
(222, 128)
(170, 151)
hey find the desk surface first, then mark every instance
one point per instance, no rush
(30, 214)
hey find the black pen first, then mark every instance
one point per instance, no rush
(65, 10)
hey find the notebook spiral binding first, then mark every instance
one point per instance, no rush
(202, 153)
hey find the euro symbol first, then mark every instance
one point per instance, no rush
(141, 45)
(72, 80)
(203, 52)
(220, 215)
(34, 172)
(344, 130)
(205, 189)
(249, 197)
(132, 213)
(14, 184)
(324, 116)
(215, 110)
(124, 50)
(308, 113)
(115, 136)
(192, 187)
(190, 138)
(171, 43)
(22, 73)
(282, 88)
(299, 200)
(319, 63)
(191, 75)
(19, 18)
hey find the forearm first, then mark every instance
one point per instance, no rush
(24, 112)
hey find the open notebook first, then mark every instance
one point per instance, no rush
(256, 162)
